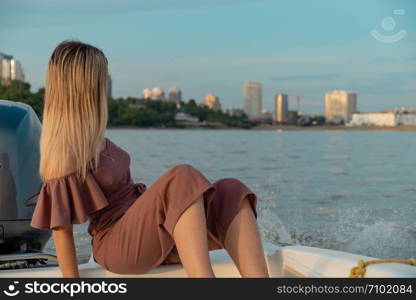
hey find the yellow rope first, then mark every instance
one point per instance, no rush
(359, 271)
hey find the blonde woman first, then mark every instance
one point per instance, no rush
(133, 228)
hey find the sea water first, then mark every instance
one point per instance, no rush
(352, 191)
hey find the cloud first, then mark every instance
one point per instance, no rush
(391, 60)
(305, 77)
(388, 83)
(383, 60)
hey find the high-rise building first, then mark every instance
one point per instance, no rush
(213, 102)
(339, 106)
(175, 94)
(281, 105)
(155, 94)
(5, 72)
(253, 100)
(10, 69)
(109, 86)
(158, 93)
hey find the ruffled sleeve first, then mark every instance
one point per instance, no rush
(67, 200)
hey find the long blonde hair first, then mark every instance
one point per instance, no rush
(75, 110)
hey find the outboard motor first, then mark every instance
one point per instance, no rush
(20, 184)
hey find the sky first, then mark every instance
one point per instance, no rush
(297, 47)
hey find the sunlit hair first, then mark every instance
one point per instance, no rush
(75, 110)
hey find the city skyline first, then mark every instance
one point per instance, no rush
(292, 47)
(340, 105)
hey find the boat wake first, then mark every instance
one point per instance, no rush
(360, 230)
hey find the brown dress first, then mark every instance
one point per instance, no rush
(131, 225)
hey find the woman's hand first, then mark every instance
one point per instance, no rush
(63, 238)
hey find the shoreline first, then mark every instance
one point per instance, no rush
(279, 128)
(338, 128)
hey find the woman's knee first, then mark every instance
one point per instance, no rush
(188, 182)
(183, 168)
(232, 193)
(187, 173)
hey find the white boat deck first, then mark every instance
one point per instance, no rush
(287, 261)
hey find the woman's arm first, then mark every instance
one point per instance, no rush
(63, 238)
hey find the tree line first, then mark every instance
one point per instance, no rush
(121, 112)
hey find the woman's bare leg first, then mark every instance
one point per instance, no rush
(190, 235)
(243, 243)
